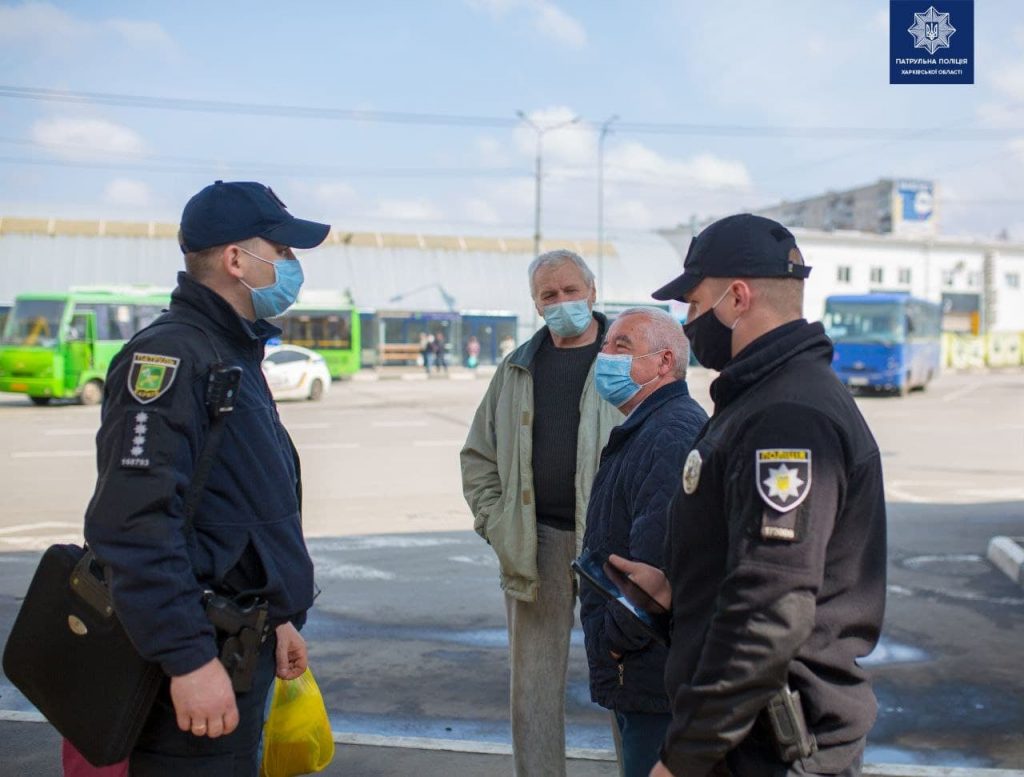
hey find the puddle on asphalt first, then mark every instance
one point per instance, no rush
(886, 754)
(889, 652)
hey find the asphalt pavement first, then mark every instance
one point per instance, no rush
(408, 638)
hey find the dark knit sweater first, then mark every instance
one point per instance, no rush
(558, 378)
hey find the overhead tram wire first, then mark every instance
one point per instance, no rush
(459, 120)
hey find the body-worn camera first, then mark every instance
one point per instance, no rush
(789, 727)
(242, 629)
(222, 389)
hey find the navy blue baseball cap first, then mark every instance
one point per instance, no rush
(226, 212)
(740, 246)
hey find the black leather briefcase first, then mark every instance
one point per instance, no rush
(70, 656)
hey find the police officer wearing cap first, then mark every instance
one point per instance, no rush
(776, 546)
(246, 536)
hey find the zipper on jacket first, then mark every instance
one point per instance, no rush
(622, 674)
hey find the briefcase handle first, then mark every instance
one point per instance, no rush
(90, 588)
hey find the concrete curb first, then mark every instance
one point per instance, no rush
(572, 754)
(1007, 554)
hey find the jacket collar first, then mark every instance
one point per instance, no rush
(645, 410)
(524, 355)
(194, 300)
(765, 355)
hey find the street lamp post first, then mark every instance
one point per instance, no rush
(538, 177)
(539, 170)
(605, 129)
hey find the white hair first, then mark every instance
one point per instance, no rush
(664, 333)
(555, 258)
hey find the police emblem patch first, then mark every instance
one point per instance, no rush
(151, 376)
(691, 471)
(783, 477)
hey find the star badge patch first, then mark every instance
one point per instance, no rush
(151, 376)
(691, 471)
(783, 477)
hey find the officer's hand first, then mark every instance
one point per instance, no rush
(650, 579)
(660, 770)
(291, 652)
(204, 701)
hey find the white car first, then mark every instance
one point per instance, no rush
(294, 372)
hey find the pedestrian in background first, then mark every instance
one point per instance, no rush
(426, 349)
(641, 370)
(527, 467)
(776, 544)
(472, 352)
(440, 357)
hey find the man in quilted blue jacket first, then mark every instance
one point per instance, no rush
(642, 371)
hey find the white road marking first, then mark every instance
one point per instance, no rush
(376, 542)
(68, 432)
(437, 443)
(39, 525)
(37, 542)
(326, 446)
(51, 454)
(324, 568)
(954, 395)
(477, 561)
(397, 424)
(307, 426)
(897, 494)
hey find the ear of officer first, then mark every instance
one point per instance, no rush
(727, 312)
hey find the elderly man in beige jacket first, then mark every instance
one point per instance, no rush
(527, 466)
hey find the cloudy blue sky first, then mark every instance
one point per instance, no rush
(766, 101)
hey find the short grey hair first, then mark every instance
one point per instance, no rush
(664, 333)
(555, 258)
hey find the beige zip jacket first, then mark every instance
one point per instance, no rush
(497, 473)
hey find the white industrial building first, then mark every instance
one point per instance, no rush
(978, 281)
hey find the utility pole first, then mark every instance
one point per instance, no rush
(605, 128)
(539, 171)
(538, 177)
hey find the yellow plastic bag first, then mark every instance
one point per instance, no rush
(297, 735)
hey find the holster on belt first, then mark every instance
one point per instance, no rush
(242, 628)
(790, 735)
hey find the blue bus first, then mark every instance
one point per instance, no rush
(886, 342)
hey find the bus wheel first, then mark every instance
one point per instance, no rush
(40, 400)
(316, 390)
(92, 393)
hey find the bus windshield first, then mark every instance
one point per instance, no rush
(34, 322)
(860, 323)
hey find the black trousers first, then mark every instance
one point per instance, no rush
(164, 750)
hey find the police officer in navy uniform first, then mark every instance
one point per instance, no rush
(240, 270)
(776, 546)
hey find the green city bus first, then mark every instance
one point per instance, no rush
(59, 346)
(329, 328)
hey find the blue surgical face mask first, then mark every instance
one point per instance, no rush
(613, 377)
(568, 319)
(275, 299)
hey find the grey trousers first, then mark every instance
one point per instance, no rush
(538, 638)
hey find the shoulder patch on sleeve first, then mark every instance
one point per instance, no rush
(151, 376)
(783, 476)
